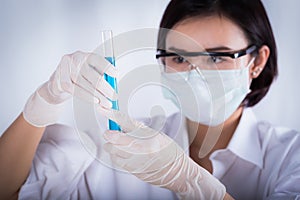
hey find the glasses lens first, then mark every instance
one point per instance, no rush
(178, 63)
(174, 64)
(207, 62)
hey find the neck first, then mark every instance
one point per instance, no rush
(207, 139)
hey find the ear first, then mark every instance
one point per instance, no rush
(260, 61)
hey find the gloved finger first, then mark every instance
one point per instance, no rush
(101, 65)
(86, 96)
(131, 144)
(135, 163)
(116, 151)
(97, 81)
(104, 111)
(104, 87)
(117, 138)
(131, 164)
(119, 161)
(143, 133)
(127, 124)
(74, 63)
(83, 87)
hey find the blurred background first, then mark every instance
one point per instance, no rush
(36, 34)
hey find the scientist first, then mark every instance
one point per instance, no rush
(229, 70)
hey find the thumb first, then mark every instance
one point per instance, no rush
(127, 124)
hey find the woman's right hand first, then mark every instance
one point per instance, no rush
(79, 74)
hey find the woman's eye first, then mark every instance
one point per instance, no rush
(216, 59)
(179, 59)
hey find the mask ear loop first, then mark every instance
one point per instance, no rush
(191, 66)
(251, 62)
(197, 70)
(248, 66)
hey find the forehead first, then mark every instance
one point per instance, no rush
(206, 32)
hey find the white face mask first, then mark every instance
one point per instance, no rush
(210, 98)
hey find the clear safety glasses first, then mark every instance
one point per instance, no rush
(183, 61)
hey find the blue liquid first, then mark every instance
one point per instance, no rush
(113, 82)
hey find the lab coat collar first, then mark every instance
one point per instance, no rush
(245, 142)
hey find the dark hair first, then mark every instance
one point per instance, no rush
(249, 15)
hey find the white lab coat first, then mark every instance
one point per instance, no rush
(260, 162)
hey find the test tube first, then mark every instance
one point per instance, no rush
(108, 52)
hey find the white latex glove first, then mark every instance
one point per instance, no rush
(155, 158)
(78, 74)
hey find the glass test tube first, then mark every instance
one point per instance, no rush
(108, 52)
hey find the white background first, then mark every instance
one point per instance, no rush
(36, 34)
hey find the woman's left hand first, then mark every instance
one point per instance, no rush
(155, 158)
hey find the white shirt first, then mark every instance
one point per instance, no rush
(260, 162)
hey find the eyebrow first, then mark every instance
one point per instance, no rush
(214, 49)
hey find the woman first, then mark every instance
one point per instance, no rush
(231, 154)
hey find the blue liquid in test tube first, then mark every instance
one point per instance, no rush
(109, 55)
